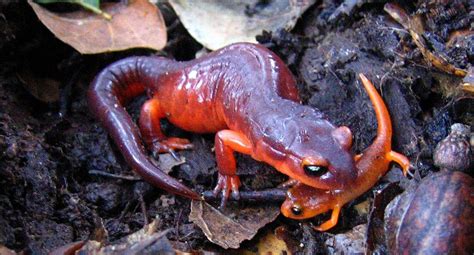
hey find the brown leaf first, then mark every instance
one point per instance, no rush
(351, 242)
(5, 251)
(434, 217)
(375, 241)
(270, 244)
(42, 88)
(468, 81)
(218, 23)
(167, 162)
(138, 24)
(229, 232)
(145, 239)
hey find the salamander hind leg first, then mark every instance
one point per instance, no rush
(403, 161)
(152, 135)
(226, 142)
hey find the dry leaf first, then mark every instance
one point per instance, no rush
(434, 216)
(5, 251)
(468, 81)
(167, 162)
(270, 244)
(229, 232)
(351, 242)
(216, 23)
(146, 239)
(42, 88)
(138, 24)
(414, 25)
(375, 239)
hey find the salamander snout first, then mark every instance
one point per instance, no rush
(304, 202)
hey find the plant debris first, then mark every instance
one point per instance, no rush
(52, 187)
(91, 5)
(228, 231)
(137, 25)
(433, 218)
(352, 242)
(216, 24)
(415, 27)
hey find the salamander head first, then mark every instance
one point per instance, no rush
(303, 202)
(313, 152)
(324, 160)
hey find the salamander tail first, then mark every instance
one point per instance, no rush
(109, 92)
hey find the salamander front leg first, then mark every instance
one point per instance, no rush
(331, 222)
(226, 142)
(150, 128)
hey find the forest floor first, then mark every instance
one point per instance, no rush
(51, 189)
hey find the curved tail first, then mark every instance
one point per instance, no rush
(384, 124)
(380, 153)
(109, 92)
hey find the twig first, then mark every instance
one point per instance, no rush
(269, 195)
(141, 200)
(117, 176)
(139, 247)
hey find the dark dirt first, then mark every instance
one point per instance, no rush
(48, 197)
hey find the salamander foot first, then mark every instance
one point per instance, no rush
(169, 145)
(226, 184)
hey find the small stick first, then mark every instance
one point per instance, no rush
(117, 176)
(269, 195)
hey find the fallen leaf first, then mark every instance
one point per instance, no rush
(414, 25)
(138, 24)
(375, 241)
(216, 23)
(5, 251)
(351, 242)
(296, 243)
(363, 207)
(91, 5)
(146, 239)
(167, 162)
(42, 88)
(270, 244)
(434, 216)
(468, 81)
(227, 231)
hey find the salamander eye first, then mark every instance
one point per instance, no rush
(296, 209)
(314, 170)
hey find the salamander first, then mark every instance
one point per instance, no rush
(245, 94)
(304, 201)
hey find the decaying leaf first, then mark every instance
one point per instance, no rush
(5, 251)
(270, 244)
(227, 231)
(351, 242)
(42, 88)
(216, 23)
(91, 5)
(414, 25)
(146, 239)
(136, 25)
(434, 216)
(468, 81)
(167, 162)
(375, 241)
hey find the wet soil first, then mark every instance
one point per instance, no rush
(51, 196)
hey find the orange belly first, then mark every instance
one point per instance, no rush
(189, 101)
